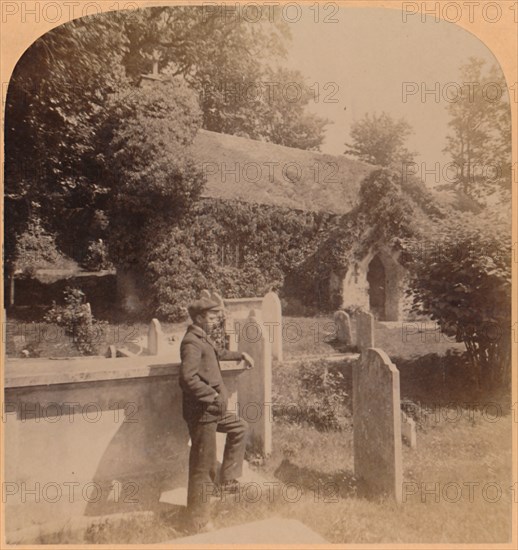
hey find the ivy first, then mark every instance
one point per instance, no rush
(292, 252)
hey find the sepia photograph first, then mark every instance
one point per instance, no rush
(258, 265)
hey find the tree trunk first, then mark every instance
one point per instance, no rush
(11, 289)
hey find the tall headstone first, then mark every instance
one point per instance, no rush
(215, 297)
(205, 294)
(254, 392)
(408, 430)
(272, 320)
(364, 330)
(155, 338)
(377, 426)
(343, 327)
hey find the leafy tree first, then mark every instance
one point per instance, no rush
(56, 101)
(151, 177)
(63, 89)
(270, 107)
(463, 281)
(479, 142)
(379, 139)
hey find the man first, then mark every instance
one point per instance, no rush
(205, 411)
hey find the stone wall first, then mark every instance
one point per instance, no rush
(95, 436)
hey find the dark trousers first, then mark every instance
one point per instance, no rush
(203, 460)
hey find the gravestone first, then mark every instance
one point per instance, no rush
(155, 338)
(254, 393)
(215, 297)
(364, 330)
(377, 426)
(343, 327)
(272, 320)
(408, 430)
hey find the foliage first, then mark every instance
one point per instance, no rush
(462, 279)
(480, 139)
(380, 140)
(152, 177)
(275, 104)
(77, 320)
(389, 211)
(64, 89)
(55, 103)
(183, 259)
(36, 248)
(97, 256)
(322, 398)
(276, 248)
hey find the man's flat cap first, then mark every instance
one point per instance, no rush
(201, 305)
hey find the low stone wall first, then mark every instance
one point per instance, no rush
(93, 436)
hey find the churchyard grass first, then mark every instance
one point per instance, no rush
(449, 455)
(457, 483)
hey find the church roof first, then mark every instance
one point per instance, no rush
(264, 173)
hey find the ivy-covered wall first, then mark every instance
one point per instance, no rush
(240, 249)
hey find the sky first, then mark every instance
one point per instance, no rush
(368, 56)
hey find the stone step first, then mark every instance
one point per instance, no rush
(178, 495)
(267, 531)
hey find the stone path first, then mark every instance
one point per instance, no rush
(268, 531)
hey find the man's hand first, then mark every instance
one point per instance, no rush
(248, 359)
(218, 406)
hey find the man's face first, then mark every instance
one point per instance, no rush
(208, 320)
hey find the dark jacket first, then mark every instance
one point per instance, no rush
(200, 376)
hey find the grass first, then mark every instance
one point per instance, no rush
(449, 456)
(48, 340)
(404, 340)
(450, 481)
(314, 470)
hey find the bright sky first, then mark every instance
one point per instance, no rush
(370, 53)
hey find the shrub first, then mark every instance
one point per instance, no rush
(77, 320)
(36, 248)
(322, 398)
(97, 256)
(462, 279)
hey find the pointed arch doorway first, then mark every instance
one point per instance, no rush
(376, 277)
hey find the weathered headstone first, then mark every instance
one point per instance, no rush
(364, 330)
(343, 327)
(377, 425)
(155, 338)
(254, 392)
(272, 320)
(215, 297)
(408, 430)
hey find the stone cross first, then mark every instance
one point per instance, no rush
(377, 426)
(343, 327)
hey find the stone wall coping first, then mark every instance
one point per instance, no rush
(42, 372)
(242, 300)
